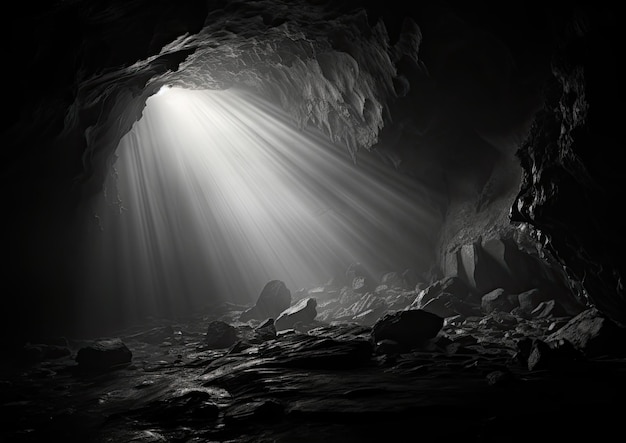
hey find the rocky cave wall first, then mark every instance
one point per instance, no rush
(452, 112)
(572, 160)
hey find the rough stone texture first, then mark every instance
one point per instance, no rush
(104, 354)
(410, 328)
(494, 269)
(508, 264)
(496, 300)
(468, 258)
(358, 75)
(393, 280)
(332, 381)
(453, 285)
(304, 312)
(266, 330)
(530, 299)
(593, 333)
(438, 306)
(80, 75)
(220, 334)
(570, 186)
(544, 309)
(274, 299)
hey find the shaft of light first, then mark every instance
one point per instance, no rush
(219, 193)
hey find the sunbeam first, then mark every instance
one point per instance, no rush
(219, 192)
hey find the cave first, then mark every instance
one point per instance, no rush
(309, 220)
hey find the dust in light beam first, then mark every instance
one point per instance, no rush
(219, 192)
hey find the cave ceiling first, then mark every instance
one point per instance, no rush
(361, 72)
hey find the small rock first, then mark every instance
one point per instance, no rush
(265, 331)
(104, 354)
(302, 312)
(500, 378)
(496, 300)
(543, 309)
(220, 335)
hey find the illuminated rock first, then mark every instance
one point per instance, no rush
(273, 300)
(303, 312)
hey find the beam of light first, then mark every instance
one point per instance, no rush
(220, 193)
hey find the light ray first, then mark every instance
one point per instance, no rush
(222, 193)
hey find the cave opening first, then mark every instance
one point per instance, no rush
(474, 145)
(214, 193)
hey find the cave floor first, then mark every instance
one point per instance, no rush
(327, 384)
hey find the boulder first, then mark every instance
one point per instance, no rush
(537, 354)
(496, 300)
(302, 312)
(361, 284)
(452, 285)
(410, 328)
(104, 354)
(265, 331)
(274, 299)
(530, 299)
(359, 278)
(543, 309)
(592, 333)
(220, 335)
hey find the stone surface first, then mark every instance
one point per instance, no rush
(530, 299)
(104, 354)
(440, 306)
(265, 331)
(274, 298)
(220, 335)
(468, 258)
(360, 77)
(453, 285)
(593, 333)
(303, 312)
(410, 328)
(331, 381)
(496, 300)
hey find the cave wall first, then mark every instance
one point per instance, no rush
(443, 92)
(571, 193)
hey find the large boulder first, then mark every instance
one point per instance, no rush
(452, 285)
(410, 328)
(274, 299)
(302, 312)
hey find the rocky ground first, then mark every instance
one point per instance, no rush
(410, 375)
